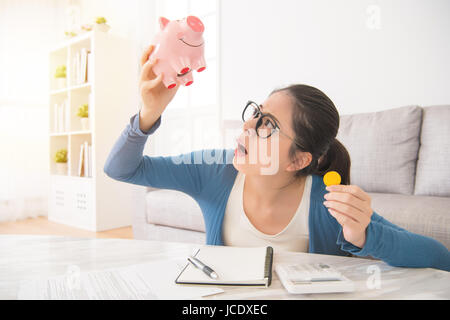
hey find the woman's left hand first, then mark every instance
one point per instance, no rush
(351, 207)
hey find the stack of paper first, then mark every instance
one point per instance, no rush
(143, 281)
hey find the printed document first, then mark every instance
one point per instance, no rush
(154, 280)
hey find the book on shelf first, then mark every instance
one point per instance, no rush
(75, 67)
(55, 118)
(90, 160)
(85, 163)
(66, 115)
(89, 67)
(86, 160)
(81, 66)
(61, 118)
(80, 163)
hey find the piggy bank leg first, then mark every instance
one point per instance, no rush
(199, 64)
(186, 80)
(181, 66)
(169, 82)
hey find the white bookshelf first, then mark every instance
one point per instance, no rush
(94, 202)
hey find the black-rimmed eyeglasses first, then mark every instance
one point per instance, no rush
(266, 124)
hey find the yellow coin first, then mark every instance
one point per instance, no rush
(331, 178)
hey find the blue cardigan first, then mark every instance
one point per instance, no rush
(209, 183)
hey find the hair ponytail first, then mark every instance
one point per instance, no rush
(335, 158)
(316, 122)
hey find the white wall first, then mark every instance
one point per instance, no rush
(132, 19)
(28, 29)
(336, 47)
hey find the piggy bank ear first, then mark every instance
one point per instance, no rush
(163, 22)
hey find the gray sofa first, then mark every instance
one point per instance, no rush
(400, 157)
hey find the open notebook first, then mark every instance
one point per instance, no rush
(235, 266)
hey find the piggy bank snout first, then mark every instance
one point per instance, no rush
(195, 24)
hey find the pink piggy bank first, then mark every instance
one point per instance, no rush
(179, 48)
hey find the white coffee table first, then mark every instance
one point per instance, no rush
(24, 257)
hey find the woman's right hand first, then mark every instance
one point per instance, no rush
(155, 96)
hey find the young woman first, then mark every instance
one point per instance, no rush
(269, 190)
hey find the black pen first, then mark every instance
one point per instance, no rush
(200, 265)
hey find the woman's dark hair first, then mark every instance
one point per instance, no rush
(315, 122)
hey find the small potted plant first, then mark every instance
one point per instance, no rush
(100, 24)
(60, 76)
(83, 113)
(61, 161)
(70, 34)
(86, 27)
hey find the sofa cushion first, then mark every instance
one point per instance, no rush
(428, 216)
(383, 148)
(150, 231)
(433, 165)
(175, 209)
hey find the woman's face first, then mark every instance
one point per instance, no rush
(267, 156)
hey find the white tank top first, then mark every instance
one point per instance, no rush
(239, 231)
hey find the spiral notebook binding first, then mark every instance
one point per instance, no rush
(268, 265)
